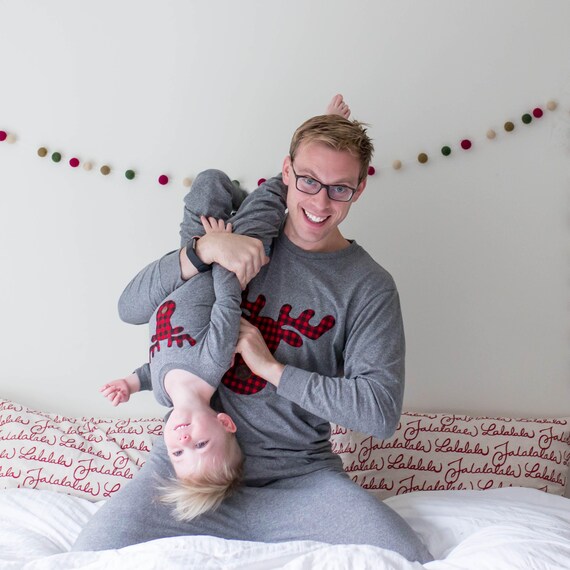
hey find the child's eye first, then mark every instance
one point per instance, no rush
(201, 444)
(177, 453)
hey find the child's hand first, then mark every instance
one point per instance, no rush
(212, 225)
(117, 391)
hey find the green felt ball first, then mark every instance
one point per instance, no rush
(445, 150)
(236, 183)
(56, 156)
(130, 174)
(526, 118)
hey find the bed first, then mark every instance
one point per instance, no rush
(482, 493)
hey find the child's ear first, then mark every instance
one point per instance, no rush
(227, 422)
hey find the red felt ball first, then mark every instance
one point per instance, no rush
(371, 171)
(465, 144)
(74, 162)
(261, 181)
(163, 179)
(537, 112)
(3, 135)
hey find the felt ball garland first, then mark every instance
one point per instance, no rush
(423, 158)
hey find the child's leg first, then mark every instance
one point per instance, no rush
(212, 194)
(262, 212)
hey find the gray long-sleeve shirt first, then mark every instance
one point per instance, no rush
(334, 319)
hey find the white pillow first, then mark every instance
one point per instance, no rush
(449, 451)
(90, 458)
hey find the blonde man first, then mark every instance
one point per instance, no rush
(321, 341)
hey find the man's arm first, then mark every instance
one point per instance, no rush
(368, 398)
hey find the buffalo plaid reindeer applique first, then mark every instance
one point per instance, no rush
(165, 330)
(239, 378)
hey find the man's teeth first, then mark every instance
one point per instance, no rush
(314, 218)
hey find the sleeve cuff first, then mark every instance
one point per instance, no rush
(293, 383)
(170, 272)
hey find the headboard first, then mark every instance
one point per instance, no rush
(93, 457)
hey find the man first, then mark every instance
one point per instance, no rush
(322, 341)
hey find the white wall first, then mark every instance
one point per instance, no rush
(478, 243)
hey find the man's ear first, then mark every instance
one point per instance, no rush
(286, 170)
(360, 190)
(227, 422)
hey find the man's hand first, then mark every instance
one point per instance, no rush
(239, 254)
(253, 349)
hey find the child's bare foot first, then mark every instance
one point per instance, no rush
(337, 106)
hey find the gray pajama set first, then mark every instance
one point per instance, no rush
(334, 319)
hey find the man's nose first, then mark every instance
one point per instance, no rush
(321, 197)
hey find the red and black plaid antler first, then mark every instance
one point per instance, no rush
(240, 379)
(165, 330)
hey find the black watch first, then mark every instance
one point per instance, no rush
(194, 259)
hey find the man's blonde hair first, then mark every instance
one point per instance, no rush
(208, 485)
(338, 133)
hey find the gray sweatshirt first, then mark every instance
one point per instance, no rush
(334, 319)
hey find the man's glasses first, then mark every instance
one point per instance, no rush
(310, 185)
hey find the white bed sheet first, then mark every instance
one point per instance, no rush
(510, 528)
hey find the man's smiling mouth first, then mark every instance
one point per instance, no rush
(315, 219)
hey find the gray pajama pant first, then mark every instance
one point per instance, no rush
(324, 506)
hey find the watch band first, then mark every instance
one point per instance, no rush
(194, 259)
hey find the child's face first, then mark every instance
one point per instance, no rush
(196, 437)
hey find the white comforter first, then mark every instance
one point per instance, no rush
(510, 528)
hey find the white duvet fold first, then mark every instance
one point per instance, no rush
(511, 528)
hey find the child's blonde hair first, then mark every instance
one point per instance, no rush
(207, 486)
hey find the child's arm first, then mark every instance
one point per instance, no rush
(119, 391)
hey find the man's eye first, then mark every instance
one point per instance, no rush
(201, 444)
(340, 190)
(309, 181)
